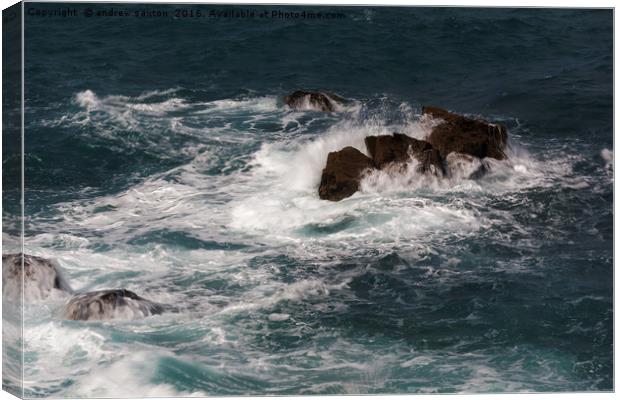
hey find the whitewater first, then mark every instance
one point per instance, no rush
(279, 292)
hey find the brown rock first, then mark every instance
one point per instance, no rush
(431, 161)
(399, 148)
(467, 141)
(110, 304)
(320, 101)
(343, 172)
(465, 135)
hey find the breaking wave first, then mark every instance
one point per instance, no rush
(274, 283)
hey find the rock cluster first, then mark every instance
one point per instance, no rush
(40, 276)
(454, 140)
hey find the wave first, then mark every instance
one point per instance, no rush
(127, 111)
(161, 123)
(236, 236)
(282, 176)
(131, 376)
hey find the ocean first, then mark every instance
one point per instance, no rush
(161, 158)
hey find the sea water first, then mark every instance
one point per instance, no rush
(160, 158)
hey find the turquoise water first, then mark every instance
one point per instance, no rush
(160, 159)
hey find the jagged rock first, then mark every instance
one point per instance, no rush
(459, 143)
(320, 101)
(399, 149)
(459, 134)
(110, 304)
(343, 172)
(40, 276)
(430, 161)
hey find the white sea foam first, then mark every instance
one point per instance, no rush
(88, 100)
(129, 377)
(264, 298)
(117, 106)
(257, 105)
(285, 178)
(277, 198)
(276, 317)
(162, 124)
(268, 202)
(608, 156)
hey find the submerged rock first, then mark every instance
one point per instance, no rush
(110, 304)
(40, 277)
(343, 172)
(386, 150)
(459, 134)
(320, 101)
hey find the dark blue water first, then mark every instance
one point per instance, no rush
(160, 158)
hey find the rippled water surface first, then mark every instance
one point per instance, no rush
(160, 158)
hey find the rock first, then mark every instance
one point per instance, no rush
(343, 172)
(460, 134)
(40, 277)
(459, 143)
(399, 149)
(431, 161)
(110, 304)
(320, 101)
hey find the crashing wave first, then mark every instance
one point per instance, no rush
(473, 141)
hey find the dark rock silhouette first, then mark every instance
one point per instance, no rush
(399, 149)
(459, 134)
(40, 276)
(343, 172)
(320, 101)
(110, 304)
